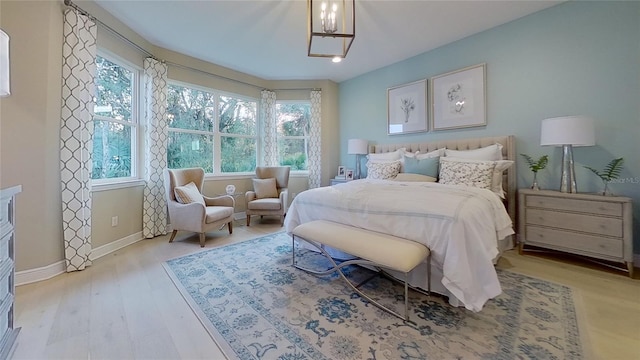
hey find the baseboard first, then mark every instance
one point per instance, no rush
(239, 215)
(47, 272)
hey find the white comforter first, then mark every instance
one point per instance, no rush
(461, 225)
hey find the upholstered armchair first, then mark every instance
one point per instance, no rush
(270, 195)
(189, 210)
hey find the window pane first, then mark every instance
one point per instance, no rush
(190, 109)
(237, 116)
(293, 119)
(293, 152)
(113, 90)
(190, 150)
(238, 154)
(111, 150)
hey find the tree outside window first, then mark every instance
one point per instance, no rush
(115, 121)
(293, 122)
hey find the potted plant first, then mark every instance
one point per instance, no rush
(535, 166)
(610, 172)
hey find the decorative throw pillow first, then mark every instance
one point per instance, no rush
(420, 155)
(496, 181)
(382, 170)
(491, 152)
(187, 194)
(427, 166)
(414, 178)
(265, 188)
(468, 173)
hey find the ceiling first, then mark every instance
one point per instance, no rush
(267, 38)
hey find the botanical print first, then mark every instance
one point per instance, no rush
(407, 105)
(407, 108)
(458, 99)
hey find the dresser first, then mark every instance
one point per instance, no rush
(596, 226)
(7, 270)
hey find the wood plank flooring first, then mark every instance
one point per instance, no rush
(126, 307)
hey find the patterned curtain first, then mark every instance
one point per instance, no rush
(154, 206)
(270, 140)
(314, 162)
(76, 131)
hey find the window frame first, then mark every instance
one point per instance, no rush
(137, 130)
(278, 136)
(217, 134)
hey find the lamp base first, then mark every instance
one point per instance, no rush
(568, 180)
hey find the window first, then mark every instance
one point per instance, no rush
(115, 120)
(196, 141)
(293, 122)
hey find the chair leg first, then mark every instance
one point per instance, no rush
(201, 239)
(230, 227)
(173, 235)
(248, 220)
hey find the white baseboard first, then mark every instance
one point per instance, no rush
(47, 272)
(239, 215)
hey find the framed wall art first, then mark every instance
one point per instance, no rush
(458, 98)
(407, 108)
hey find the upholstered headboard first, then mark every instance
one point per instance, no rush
(508, 153)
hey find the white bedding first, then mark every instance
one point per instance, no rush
(461, 225)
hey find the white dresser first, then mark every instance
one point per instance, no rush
(7, 270)
(591, 225)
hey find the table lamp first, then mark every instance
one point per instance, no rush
(567, 131)
(357, 147)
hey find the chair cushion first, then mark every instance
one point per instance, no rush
(265, 204)
(187, 194)
(265, 188)
(215, 213)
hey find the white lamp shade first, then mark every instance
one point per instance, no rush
(568, 130)
(358, 146)
(4, 64)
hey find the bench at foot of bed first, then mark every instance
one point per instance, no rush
(372, 248)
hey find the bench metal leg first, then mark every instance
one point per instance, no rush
(339, 267)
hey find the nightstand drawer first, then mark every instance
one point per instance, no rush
(594, 246)
(579, 222)
(577, 205)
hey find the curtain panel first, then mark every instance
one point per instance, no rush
(270, 139)
(154, 206)
(314, 163)
(76, 132)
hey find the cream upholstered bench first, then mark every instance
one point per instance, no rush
(372, 248)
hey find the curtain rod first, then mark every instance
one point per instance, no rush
(69, 3)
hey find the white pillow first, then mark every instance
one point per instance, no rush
(499, 167)
(414, 177)
(383, 170)
(468, 173)
(393, 155)
(491, 152)
(188, 193)
(431, 154)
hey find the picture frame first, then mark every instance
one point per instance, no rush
(458, 99)
(349, 174)
(407, 108)
(341, 172)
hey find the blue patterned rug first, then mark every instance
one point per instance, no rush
(257, 306)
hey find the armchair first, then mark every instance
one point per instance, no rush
(270, 195)
(189, 210)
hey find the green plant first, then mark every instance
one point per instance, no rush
(536, 165)
(610, 172)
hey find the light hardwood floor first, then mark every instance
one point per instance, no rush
(126, 307)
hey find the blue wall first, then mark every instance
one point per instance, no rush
(576, 58)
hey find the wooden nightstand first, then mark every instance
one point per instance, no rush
(596, 226)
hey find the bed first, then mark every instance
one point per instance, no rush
(466, 228)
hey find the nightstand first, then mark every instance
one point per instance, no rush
(595, 226)
(338, 181)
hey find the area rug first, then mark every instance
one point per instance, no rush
(256, 305)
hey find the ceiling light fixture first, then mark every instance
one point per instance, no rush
(331, 28)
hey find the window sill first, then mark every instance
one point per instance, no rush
(116, 185)
(251, 175)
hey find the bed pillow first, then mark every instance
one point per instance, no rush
(468, 173)
(427, 166)
(187, 194)
(265, 188)
(388, 156)
(414, 177)
(491, 152)
(420, 155)
(383, 170)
